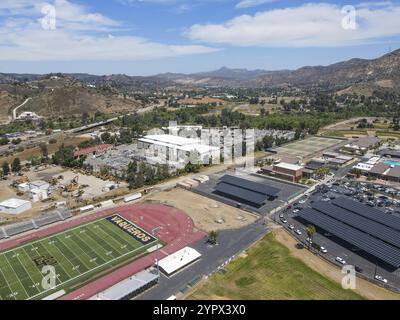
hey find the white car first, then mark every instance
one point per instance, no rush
(340, 260)
(281, 216)
(298, 232)
(323, 250)
(284, 221)
(303, 201)
(291, 227)
(296, 210)
(309, 240)
(381, 279)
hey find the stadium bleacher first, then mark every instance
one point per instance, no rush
(66, 214)
(19, 228)
(48, 219)
(42, 221)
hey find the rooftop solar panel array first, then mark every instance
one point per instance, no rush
(368, 212)
(359, 239)
(237, 192)
(250, 185)
(358, 222)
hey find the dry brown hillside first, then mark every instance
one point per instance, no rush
(77, 100)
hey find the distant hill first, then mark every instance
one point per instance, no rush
(383, 72)
(63, 96)
(355, 75)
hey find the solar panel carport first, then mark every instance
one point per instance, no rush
(245, 191)
(359, 239)
(251, 185)
(356, 221)
(241, 194)
(368, 212)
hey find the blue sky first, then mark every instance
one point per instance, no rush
(143, 37)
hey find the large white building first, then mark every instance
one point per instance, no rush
(176, 150)
(15, 206)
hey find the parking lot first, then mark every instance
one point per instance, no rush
(288, 191)
(380, 197)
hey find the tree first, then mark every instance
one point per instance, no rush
(322, 172)
(310, 232)
(16, 165)
(356, 172)
(6, 168)
(65, 157)
(4, 141)
(44, 149)
(213, 237)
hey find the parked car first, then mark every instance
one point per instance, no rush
(340, 260)
(284, 221)
(298, 232)
(291, 227)
(358, 269)
(380, 279)
(323, 250)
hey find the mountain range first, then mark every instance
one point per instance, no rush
(354, 74)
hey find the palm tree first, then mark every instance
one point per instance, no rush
(310, 232)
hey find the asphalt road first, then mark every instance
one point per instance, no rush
(231, 242)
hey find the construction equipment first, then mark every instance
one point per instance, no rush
(74, 185)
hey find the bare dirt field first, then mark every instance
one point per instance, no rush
(207, 214)
(93, 186)
(364, 288)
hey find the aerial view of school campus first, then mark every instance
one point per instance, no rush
(130, 171)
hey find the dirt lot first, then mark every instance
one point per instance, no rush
(94, 186)
(364, 287)
(207, 214)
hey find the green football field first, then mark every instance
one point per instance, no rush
(78, 255)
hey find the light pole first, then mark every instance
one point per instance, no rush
(155, 232)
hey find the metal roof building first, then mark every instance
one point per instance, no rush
(178, 260)
(130, 287)
(15, 206)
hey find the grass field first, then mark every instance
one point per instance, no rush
(270, 272)
(307, 147)
(78, 255)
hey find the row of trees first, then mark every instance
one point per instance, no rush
(140, 174)
(15, 167)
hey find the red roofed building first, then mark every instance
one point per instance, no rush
(93, 150)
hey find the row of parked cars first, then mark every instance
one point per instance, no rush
(371, 195)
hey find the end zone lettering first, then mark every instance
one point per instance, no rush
(131, 229)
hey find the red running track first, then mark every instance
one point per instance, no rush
(176, 230)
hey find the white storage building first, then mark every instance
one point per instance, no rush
(178, 260)
(39, 184)
(176, 150)
(15, 206)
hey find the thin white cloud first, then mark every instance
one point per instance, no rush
(79, 35)
(309, 25)
(252, 3)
